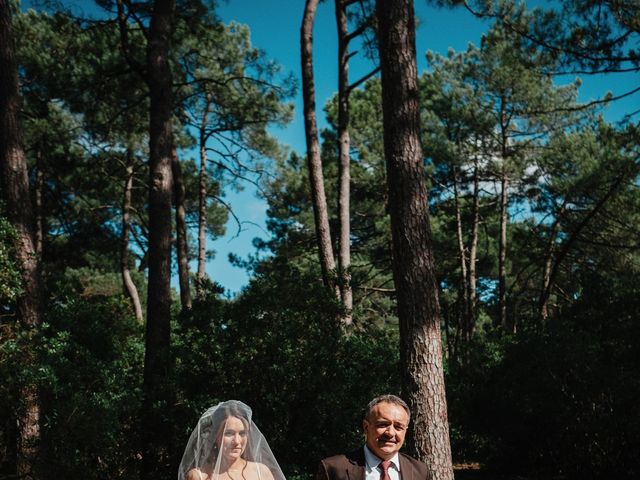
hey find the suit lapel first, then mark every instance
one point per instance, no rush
(356, 467)
(406, 469)
(355, 472)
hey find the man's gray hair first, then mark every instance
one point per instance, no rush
(387, 398)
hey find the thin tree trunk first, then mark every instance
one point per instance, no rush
(504, 220)
(157, 389)
(413, 262)
(202, 205)
(14, 185)
(129, 287)
(316, 178)
(546, 274)
(502, 252)
(39, 195)
(450, 340)
(182, 246)
(462, 255)
(473, 250)
(344, 174)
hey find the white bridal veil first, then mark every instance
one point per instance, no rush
(205, 458)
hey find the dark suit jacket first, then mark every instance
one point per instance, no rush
(351, 466)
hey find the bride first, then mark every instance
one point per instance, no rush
(227, 445)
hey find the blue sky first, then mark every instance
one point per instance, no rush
(275, 27)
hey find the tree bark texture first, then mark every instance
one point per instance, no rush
(550, 252)
(182, 245)
(316, 177)
(504, 220)
(463, 319)
(14, 186)
(344, 165)
(202, 206)
(473, 250)
(157, 391)
(39, 198)
(130, 289)
(29, 434)
(413, 262)
(502, 253)
(15, 177)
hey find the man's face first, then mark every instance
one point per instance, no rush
(385, 428)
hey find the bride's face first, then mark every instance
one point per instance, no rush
(233, 439)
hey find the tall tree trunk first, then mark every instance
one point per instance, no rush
(29, 434)
(15, 178)
(316, 178)
(202, 204)
(504, 220)
(546, 274)
(157, 389)
(473, 250)
(39, 195)
(413, 262)
(182, 246)
(14, 185)
(344, 176)
(502, 252)
(462, 255)
(129, 287)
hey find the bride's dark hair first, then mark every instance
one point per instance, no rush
(231, 408)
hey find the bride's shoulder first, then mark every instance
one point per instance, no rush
(265, 473)
(196, 474)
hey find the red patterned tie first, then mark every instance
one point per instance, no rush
(384, 466)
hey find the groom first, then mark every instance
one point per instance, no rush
(385, 424)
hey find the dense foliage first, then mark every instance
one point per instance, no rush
(283, 355)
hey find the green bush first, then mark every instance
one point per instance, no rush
(10, 281)
(280, 348)
(94, 351)
(561, 401)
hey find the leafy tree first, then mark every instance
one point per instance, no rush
(85, 145)
(229, 94)
(456, 134)
(598, 169)
(584, 37)
(497, 112)
(290, 212)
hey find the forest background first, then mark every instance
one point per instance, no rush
(533, 203)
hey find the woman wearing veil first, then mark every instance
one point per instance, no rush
(227, 445)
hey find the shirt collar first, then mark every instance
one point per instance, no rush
(373, 461)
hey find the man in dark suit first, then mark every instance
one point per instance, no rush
(385, 425)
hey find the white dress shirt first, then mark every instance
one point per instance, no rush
(372, 472)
